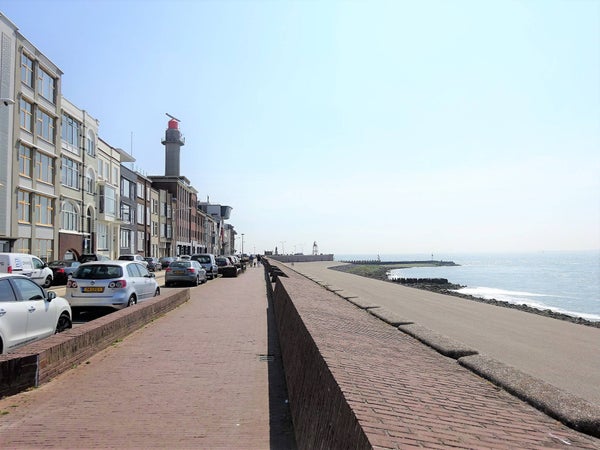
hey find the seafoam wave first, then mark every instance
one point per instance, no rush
(520, 298)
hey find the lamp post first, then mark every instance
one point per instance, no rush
(242, 243)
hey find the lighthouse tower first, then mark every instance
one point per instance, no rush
(173, 141)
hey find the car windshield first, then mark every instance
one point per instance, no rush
(98, 272)
(202, 259)
(184, 264)
(126, 257)
(222, 261)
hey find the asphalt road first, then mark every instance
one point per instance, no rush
(561, 353)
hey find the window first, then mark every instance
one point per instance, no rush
(140, 214)
(24, 207)
(102, 233)
(23, 245)
(43, 210)
(154, 228)
(44, 249)
(154, 206)
(70, 217)
(108, 200)
(125, 238)
(115, 176)
(26, 115)
(163, 230)
(90, 181)
(46, 85)
(70, 132)
(140, 190)
(45, 126)
(125, 213)
(140, 241)
(44, 168)
(69, 174)
(27, 70)
(24, 161)
(90, 144)
(126, 188)
(169, 231)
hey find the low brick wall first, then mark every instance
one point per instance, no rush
(39, 362)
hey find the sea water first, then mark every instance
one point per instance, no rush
(565, 282)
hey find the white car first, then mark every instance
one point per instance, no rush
(28, 313)
(114, 284)
(137, 258)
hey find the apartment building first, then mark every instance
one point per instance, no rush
(36, 177)
(77, 194)
(64, 191)
(8, 72)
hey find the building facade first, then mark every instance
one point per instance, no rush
(8, 72)
(77, 192)
(37, 149)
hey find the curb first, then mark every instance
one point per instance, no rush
(567, 408)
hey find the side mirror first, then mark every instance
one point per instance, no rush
(50, 295)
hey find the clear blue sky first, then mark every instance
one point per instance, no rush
(368, 126)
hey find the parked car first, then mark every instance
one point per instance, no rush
(137, 258)
(208, 263)
(185, 257)
(236, 262)
(87, 257)
(185, 272)
(28, 313)
(166, 260)
(114, 284)
(62, 270)
(28, 265)
(226, 267)
(153, 264)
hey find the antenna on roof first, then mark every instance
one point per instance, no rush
(172, 117)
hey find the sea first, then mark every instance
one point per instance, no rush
(564, 282)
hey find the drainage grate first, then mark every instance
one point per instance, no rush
(267, 358)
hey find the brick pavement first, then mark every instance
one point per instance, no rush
(206, 375)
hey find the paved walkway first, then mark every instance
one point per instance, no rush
(206, 375)
(563, 354)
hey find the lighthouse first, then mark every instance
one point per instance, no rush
(173, 142)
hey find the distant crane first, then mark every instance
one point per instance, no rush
(315, 248)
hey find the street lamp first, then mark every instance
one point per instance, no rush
(242, 243)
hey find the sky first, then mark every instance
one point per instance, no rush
(368, 127)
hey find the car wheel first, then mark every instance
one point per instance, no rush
(132, 300)
(157, 292)
(64, 323)
(196, 281)
(47, 282)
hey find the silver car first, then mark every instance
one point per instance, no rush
(28, 313)
(114, 284)
(190, 272)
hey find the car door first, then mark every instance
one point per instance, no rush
(40, 312)
(147, 281)
(13, 317)
(134, 270)
(37, 270)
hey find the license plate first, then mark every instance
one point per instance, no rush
(92, 289)
(178, 272)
